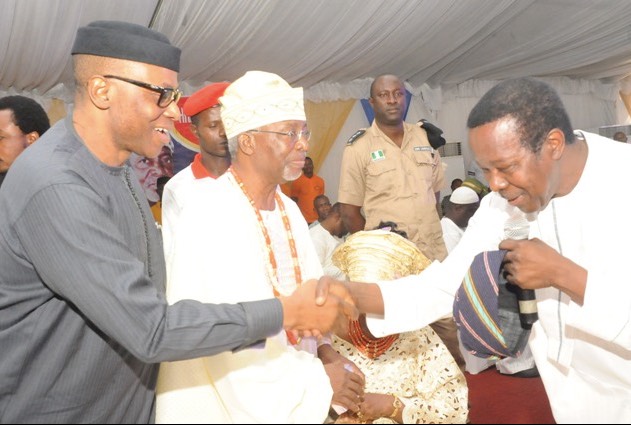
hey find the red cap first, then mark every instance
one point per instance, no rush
(204, 98)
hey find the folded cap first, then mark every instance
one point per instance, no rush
(204, 98)
(124, 40)
(464, 195)
(486, 312)
(259, 98)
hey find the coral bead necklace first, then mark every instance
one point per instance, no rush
(370, 346)
(272, 265)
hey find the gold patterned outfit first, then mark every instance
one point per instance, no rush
(420, 371)
(417, 367)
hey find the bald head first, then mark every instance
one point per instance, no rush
(384, 78)
(619, 136)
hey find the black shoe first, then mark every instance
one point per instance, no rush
(533, 372)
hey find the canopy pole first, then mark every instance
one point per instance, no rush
(155, 13)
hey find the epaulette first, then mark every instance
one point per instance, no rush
(359, 133)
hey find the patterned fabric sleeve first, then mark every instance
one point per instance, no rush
(420, 371)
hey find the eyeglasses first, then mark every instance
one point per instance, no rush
(167, 94)
(293, 136)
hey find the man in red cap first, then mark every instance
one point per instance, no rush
(212, 160)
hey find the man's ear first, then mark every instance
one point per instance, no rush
(194, 130)
(31, 137)
(98, 90)
(555, 143)
(246, 143)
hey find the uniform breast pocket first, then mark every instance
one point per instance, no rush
(424, 164)
(382, 176)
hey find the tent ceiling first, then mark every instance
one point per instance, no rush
(334, 43)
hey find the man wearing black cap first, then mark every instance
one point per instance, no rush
(84, 322)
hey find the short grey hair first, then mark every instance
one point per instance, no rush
(233, 144)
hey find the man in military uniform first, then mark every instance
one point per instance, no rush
(393, 173)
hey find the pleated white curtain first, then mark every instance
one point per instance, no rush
(333, 48)
(449, 52)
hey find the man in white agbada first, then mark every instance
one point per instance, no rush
(576, 256)
(241, 239)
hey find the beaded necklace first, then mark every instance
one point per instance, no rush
(271, 264)
(370, 346)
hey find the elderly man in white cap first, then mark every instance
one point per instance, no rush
(84, 322)
(242, 239)
(459, 208)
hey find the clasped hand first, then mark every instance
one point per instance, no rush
(307, 315)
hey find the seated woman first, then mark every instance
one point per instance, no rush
(410, 377)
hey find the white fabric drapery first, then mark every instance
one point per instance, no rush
(448, 52)
(334, 48)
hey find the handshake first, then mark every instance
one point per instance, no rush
(319, 306)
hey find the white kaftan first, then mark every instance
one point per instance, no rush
(583, 353)
(219, 255)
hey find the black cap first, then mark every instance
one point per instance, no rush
(124, 40)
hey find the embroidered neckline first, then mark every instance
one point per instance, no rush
(145, 225)
(559, 319)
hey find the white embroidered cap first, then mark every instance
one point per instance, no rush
(259, 98)
(464, 195)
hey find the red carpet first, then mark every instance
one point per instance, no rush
(501, 399)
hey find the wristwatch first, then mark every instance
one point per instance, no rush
(397, 404)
